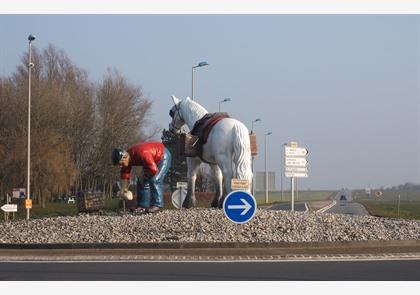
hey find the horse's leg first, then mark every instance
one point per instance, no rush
(218, 178)
(226, 166)
(193, 165)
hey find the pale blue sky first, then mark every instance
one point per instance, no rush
(344, 86)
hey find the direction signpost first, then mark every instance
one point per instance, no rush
(9, 208)
(295, 165)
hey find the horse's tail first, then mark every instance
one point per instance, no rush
(242, 153)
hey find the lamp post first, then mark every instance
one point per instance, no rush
(282, 168)
(30, 66)
(252, 124)
(222, 101)
(201, 64)
(266, 173)
(252, 158)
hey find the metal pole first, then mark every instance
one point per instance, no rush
(266, 174)
(28, 191)
(399, 199)
(192, 83)
(293, 196)
(220, 103)
(180, 197)
(253, 176)
(282, 172)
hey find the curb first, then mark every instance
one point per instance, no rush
(221, 245)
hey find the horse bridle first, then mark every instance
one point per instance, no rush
(174, 116)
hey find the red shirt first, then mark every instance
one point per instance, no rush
(148, 155)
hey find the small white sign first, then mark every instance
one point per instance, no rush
(9, 208)
(184, 185)
(239, 184)
(296, 169)
(18, 193)
(295, 152)
(296, 174)
(296, 162)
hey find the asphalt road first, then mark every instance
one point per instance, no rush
(202, 271)
(288, 207)
(345, 204)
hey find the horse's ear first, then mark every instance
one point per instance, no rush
(175, 99)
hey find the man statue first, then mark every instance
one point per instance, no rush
(155, 159)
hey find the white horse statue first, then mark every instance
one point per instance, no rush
(227, 150)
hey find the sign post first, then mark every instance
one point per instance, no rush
(295, 166)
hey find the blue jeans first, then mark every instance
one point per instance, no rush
(150, 193)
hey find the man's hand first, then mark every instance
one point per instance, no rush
(127, 195)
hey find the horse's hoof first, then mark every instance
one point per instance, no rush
(187, 205)
(215, 204)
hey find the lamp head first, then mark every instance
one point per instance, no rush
(31, 38)
(203, 63)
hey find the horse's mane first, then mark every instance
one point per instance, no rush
(191, 111)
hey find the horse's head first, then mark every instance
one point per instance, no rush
(175, 113)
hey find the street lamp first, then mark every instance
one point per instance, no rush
(30, 66)
(282, 168)
(222, 101)
(201, 64)
(266, 173)
(252, 124)
(253, 157)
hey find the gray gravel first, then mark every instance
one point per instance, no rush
(207, 225)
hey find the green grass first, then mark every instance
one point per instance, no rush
(387, 204)
(301, 196)
(408, 209)
(58, 209)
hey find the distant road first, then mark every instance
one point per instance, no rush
(345, 204)
(202, 271)
(288, 207)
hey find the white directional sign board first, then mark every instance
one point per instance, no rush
(296, 162)
(296, 174)
(9, 208)
(296, 169)
(295, 152)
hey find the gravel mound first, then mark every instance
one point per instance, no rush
(207, 225)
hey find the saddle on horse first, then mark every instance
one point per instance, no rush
(192, 143)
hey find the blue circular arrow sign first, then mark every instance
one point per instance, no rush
(239, 206)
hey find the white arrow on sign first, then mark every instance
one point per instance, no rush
(296, 162)
(246, 206)
(9, 208)
(296, 174)
(296, 152)
(296, 169)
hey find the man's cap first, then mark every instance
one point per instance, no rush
(117, 155)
